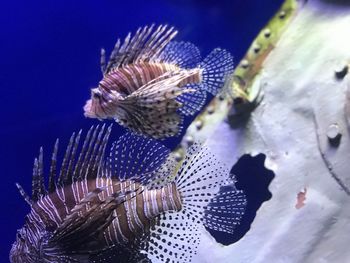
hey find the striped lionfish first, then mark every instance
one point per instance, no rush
(135, 205)
(151, 82)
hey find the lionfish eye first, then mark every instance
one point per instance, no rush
(19, 236)
(96, 93)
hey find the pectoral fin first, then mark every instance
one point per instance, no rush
(153, 108)
(87, 221)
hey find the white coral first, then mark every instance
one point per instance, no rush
(302, 98)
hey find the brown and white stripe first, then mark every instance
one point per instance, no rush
(131, 77)
(132, 217)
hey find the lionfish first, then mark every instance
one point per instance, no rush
(136, 204)
(150, 82)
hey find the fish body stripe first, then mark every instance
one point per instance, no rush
(132, 217)
(171, 199)
(46, 205)
(62, 196)
(131, 77)
(164, 199)
(155, 210)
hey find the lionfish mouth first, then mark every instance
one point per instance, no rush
(89, 110)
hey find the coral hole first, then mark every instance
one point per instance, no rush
(254, 179)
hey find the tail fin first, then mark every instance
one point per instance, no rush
(225, 210)
(209, 198)
(208, 193)
(217, 66)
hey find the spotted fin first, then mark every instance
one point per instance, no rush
(225, 210)
(136, 157)
(152, 109)
(204, 183)
(192, 102)
(217, 67)
(151, 123)
(123, 253)
(141, 159)
(175, 238)
(146, 45)
(183, 54)
(208, 198)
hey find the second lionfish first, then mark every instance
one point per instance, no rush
(137, 205)
(151, 82)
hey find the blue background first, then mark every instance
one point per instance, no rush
(49, 60)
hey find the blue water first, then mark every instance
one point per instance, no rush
(50, 60)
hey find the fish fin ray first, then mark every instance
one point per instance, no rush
(217, 66)
(24, 194)
(146, 45)
(64, 166)
(174, 238)
(183, 54)
(121, 253)
(152, 123)
(79, 226)
(155, 105)
(88, 165)
(192, 102)
(225, 210)
(53, 167)
(201, 182)
(136, 157)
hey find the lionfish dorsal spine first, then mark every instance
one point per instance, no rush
(134, 45)
(63, 171)
(24, 194)
(85, 163)
(53, 168)
(91, 170)
(77, 169)
(42, 190)
(146, 45)
(100, 154)
(87, 166)
(95, 154)
(164, 40)
(103, 60)
(158, 40)
(69, 175)
(141, 39)
(112, 57)
(35, 181)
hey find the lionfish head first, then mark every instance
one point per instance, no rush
(102, 105)
(24, 250)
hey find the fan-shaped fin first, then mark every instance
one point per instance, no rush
(135, 157)
(192, 102)
(175, 238)
(217, 66)
(208, 192)
(225, 210)
(152, 109)
(183, 54)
